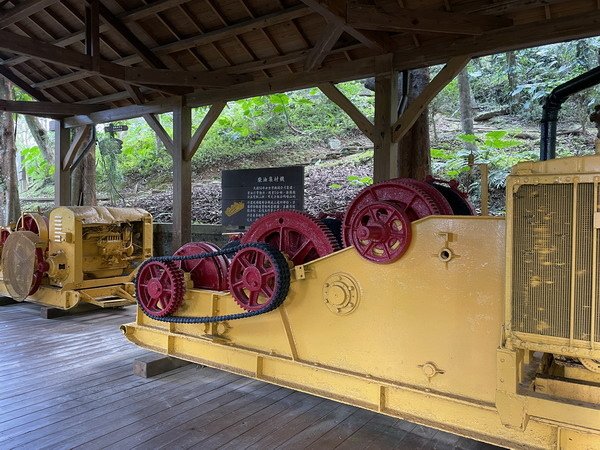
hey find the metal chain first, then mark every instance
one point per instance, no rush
(282, 283)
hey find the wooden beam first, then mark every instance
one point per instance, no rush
(126, 112)
(80, 140)
(328, 39)
(337, 97)
(62, 178)
(48, 108)
(385, 152)
(47, 52)
(500, 6)
(209, 119)
(119, 27)
(130, 16)
(23, 10)
(335, 15)
(92, 32)
(182, 176)
(389, 16)
(162, 134)
(441, 80)
(13, 78)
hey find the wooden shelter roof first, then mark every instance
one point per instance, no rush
(102, 60)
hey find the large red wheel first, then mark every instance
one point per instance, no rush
(253, 278)
(160, 288)
(300, 236)
(36, 223)
(415, 202)
(205, 273)
(380, 232)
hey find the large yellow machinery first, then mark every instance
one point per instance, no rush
(485, 327)
(78, 255)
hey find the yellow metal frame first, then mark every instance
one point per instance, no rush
(419, 339)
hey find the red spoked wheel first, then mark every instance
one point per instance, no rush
(253, 278)
(415, 202)
(40, 268)
(205, 273)
(380, 232)
(300, 236)
(160, 288)
(442, 204)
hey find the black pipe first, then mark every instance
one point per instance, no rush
(405, 91)
(552, 107)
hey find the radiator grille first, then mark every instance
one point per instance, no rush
(552, 285)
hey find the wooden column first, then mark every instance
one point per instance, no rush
(386, 113)
(62, 174)
(182, 176)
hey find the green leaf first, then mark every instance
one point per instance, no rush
(335, 186)
(471, 138)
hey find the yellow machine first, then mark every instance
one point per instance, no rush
(485, 327)
(79, 254)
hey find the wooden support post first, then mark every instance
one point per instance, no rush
(182, 176)
(385, 156)
(62, 177)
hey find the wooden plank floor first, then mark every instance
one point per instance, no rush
(68, 383)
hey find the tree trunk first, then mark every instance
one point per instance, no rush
(511, 74)
(83, 180)
(10, 208)
(40, 135)
(466, 107)
(414, 155)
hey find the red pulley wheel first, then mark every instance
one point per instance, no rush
(380, 232)
(205, 273)
(160, 288)
(252, 278)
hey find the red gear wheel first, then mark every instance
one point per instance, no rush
(438, 197)
(415, 201)
(300, 236)
(205, 273)
(380, 232)
(458, 199)
(160, 288)
(252, 278)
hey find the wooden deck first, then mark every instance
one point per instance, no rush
(68, 383)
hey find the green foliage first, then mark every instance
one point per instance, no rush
(38, 170)
(354, 180)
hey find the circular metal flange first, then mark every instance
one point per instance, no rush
(592, 365)
(341, 293)
(20, 260)
(205, 273)
(458, 200)
(160, 288)
(300, 236)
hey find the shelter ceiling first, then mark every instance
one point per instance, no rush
(112, 54)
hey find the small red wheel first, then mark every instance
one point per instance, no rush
(205, 273)
(253, 278)
(40, 269)
(381, 232)
(160, 288)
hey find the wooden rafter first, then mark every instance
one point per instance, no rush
(13, 78)
(129, 17)
(337, 97)
(209, 119)
(501, 6)
(337, 16)
(414, 110)
(47, 52)
(323, 47)
(154, 123)
(389, 16)
(119, 27)
(23, 10)
(48, 109)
